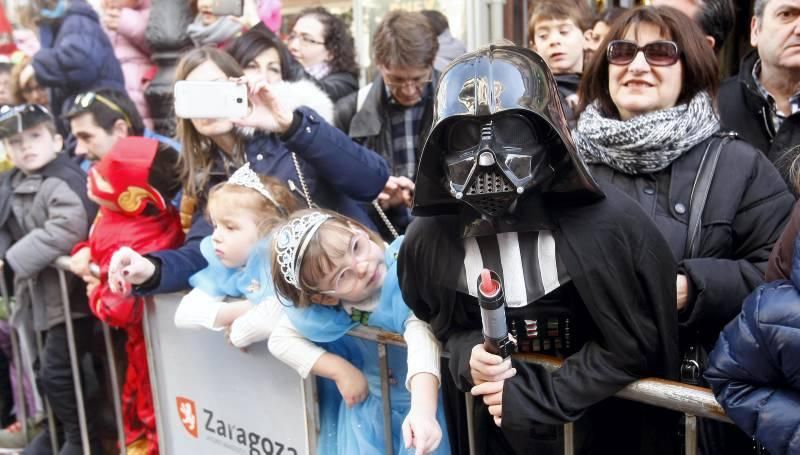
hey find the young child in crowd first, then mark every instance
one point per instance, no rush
(339, 274)
(125, 22)
(44, 212)
(238, 256)
(555, 31)
(133, 185)
(208, 29)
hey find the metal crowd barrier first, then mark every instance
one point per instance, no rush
(692, 401)
(61, 266)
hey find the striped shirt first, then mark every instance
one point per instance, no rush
(527, 262)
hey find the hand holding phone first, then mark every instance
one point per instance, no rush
(211, 99)
(266, 113)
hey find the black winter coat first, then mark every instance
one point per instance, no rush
(743, 110)
(748, 205)
(338, 85)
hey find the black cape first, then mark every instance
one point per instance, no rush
(624, 273)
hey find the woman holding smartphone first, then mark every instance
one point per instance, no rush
(297, 146)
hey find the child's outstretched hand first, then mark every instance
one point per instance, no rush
(128, 267)
(351, 384)
(421, 430)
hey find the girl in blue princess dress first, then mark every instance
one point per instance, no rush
(242, 211)
(339, 274)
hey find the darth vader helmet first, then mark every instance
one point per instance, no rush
(498, 133)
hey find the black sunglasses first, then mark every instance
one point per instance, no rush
(657, 53)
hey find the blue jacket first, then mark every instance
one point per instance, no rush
(338, 173)
(75, 56)
(754, 369)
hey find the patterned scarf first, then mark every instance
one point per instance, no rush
(646, 143)
(214, 34)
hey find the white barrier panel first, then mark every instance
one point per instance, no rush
(214, 399)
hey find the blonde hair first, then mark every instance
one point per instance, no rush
(265, 213)
(196, 159)
(17, 87)
(319, 256)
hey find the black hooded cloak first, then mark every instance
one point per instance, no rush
(620, 269)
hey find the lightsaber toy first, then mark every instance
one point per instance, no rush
(492, 301)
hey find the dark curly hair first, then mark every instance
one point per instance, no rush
(338, 40)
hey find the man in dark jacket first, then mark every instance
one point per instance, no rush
(500, 186)
(762, 102)
(76, 54)
(392, 115)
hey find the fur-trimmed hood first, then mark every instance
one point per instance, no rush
(304, 93)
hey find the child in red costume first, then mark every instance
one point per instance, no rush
(132, 184)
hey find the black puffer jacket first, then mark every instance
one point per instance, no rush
(747, 207)
(742, 109)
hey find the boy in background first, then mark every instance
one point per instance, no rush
(555, 32)
(44, 212)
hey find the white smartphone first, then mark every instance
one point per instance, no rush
(210, 99)
(227, 7)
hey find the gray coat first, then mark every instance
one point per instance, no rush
(44, 218)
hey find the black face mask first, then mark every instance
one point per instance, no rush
(491, 162)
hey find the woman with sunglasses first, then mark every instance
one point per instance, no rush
(322, 43)
(646, 124)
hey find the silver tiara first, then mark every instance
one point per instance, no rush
(244, 176)
(291, 243)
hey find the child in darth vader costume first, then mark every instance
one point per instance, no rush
(587, 276)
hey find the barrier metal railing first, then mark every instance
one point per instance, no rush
(689, 400)
(61, 266)
(19, 391)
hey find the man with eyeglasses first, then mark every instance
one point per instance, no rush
(392, 114)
